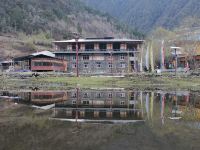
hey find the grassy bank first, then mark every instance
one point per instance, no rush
(139, 82)
(125, 82)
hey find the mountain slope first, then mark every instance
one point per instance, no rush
(58, 17)
(146, 15)
(27, 26)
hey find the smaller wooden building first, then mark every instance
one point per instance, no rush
(40, 62)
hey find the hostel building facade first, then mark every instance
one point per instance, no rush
(100, 55)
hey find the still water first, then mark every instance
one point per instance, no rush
(100, 119)
(109, 105)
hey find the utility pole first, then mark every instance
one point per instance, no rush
(111, 65)
(176, 57)
(175, 61)
(77, 103)
(128, 54)
(77, 71)
(77, 51)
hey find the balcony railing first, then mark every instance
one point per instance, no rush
(99, 50)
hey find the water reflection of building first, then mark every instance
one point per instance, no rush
(48, 97)
(99, 98)
(36, 97)
(96, 105)
(112, 104)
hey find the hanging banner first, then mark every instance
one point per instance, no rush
(162, 65)
(152, 59)
(147, 58)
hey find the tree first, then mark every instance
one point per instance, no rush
(156, 38)
(17, 17)
(79, 28)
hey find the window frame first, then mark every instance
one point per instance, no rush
(86, 57)
(122, 95)
(122, 57)
(122, 65)
(98, 64)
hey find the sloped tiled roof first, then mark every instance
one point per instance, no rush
(45, 53)
(98, 40)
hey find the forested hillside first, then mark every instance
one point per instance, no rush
(57, 17)
(146, 15)
(30, 25)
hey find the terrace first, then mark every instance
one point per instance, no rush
(98, 45)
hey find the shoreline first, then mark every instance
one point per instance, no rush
(59, 82)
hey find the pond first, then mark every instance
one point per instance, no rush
(113, 118)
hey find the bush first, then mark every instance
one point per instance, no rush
(30, 46)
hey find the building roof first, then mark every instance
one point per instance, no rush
(45, 53)
(6, 62)
(98, 40)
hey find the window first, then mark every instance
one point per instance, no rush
(110, 95)
(86, 95)
(122, 94)
(73, 102)
(89, 46)
(109, 65)
(74, 95)
(98, 95)
(42, 96)
(73, 57)
(57, 64)
(122, 102)
(98, 64)
(122, 57)
(132, 96)
(74, 46)
(86, 57)
(74, 65)
(102, 46)
(47, 64)
(122, 65)
(86, 64)
(42, 64)
(131, 54)
(116, 46)
(130, 46)
(86, 102)
(37, 64)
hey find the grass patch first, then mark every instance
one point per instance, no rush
(126, 82)
(82, 81)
